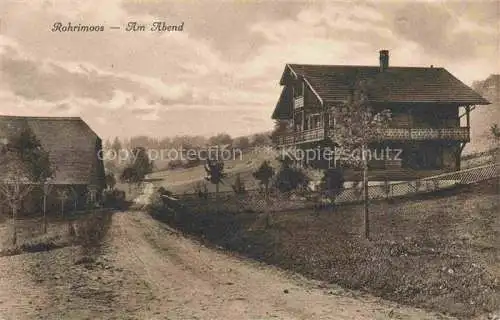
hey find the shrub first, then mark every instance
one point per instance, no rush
(239, 185)
(332, 181)
(115, 199)
(39, 244)
(289, 178)
(201, 189)
(93, 228)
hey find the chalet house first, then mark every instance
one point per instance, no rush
(429, 109)
(73, 153)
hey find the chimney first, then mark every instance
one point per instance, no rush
(384, 60)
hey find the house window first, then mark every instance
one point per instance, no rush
(314, 121)
(298, 90)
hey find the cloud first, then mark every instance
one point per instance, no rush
(223, 70)
(440, 31)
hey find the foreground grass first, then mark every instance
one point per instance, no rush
(87, 230)
(439, 252)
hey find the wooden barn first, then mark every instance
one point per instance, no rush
(429, 109)
(73, 150)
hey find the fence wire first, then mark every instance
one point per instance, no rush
(256, 200)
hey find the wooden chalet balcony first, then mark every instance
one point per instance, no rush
(312, 135)
(395, 134)
(298, 102)
(458, 134)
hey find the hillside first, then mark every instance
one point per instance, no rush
(483, 117)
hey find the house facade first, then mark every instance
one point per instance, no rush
(429, 107)
(73, 150)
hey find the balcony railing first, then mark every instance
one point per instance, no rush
(395, 134)
(298, 102)
(459, 134)
(298, 137)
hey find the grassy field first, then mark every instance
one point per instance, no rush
(439, 252)
(83, 229)
(183, 180)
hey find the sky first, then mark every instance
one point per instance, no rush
(221, 73)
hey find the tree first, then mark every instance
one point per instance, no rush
(128, 176)
(110, 180)
(220, 139)
(47, 187)
(264, 175)
(28, 161)
(280, 127)
(107, 144)
(261, 139)
(242, 143)
(215, 174)
(142, 164)
(239, 185)
(137, 170)
(30, 151)
(495, 132)
(357, 124)
(495, 136)
(116, 146)
(63, 195)
(15, 186)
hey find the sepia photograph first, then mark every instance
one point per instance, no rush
(250, 159)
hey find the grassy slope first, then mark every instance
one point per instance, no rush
(183, 180)
(439, 252)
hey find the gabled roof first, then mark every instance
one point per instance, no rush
(333, 83)
(71, 144)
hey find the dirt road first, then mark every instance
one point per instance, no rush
(188, 281)
(145, 270)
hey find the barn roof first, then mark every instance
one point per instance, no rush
(71, 144)
(332, 83)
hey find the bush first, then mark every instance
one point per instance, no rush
(239, 185)
(332, 181)
(43, 243)
(93, 228)
(115, 199)
(201, 189)
(290, 179)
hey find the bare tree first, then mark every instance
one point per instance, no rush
(47, 187)
(63, 195)
(357, 125)
(25, 152)
(15, 186)
(264, 175)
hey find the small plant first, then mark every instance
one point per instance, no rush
(264, 175)
(332, 183)
(201, 190)
(110, 180)
(92, 230)
(239, 185)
